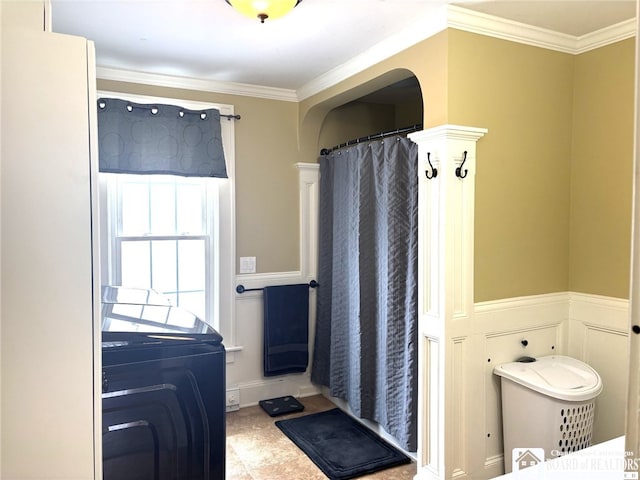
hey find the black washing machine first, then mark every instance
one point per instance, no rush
(163, 390)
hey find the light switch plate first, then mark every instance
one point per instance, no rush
(247, 264)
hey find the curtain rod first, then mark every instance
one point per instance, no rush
(153, 107)
(412, 128)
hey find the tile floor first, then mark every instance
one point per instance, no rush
(258, 450)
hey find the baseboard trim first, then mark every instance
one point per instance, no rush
(295, 385)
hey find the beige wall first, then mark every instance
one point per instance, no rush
(553, 185)
(523, 95)
(408, 113)
(427, 61)
(267, 220)
(554, 175)
(355, 120)
(522, 209)
(602, 170)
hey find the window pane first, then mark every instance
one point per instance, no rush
(173, 298)
(136, 267)
(176, 265)
(135, 207)
(191, 267)
(189, 215)
(164, 266)
(163, 208)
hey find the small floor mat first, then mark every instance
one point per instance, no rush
(281, 406)
(341, 446)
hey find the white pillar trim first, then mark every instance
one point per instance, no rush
(308, 179)
(445, 287)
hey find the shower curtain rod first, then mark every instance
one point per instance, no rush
(399, 131)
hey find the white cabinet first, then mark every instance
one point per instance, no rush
(49, 290)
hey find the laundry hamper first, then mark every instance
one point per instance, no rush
(547, 403)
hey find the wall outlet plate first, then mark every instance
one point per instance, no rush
(233, 399)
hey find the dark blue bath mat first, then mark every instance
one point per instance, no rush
(340, 445)
(281, 406)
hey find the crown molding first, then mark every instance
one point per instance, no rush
(606, 36)
(200, 84)
(420, 30)
(447, 16)
(491, 26)
(451, 16)
(483, 24)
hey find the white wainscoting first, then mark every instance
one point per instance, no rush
(588, 327)
(245, 359)
(598, 334)
(499, 329)
(245, 372)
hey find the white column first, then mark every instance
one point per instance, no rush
(308, 180)
(309, 183)
(445, 293)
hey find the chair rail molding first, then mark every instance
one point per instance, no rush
(446, 207)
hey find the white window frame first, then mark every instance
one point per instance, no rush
(223, 244)
(209, 233)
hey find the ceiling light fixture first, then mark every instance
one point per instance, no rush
(263, 9)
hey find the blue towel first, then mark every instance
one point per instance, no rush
(286, 329)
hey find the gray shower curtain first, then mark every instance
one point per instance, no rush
(366, 332)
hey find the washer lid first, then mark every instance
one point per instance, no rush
(132, 317)
(556, 376)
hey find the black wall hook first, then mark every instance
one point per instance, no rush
(434, 170)
(459, 173)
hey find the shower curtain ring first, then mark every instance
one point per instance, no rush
(434, 170)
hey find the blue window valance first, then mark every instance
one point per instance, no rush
(159, 139)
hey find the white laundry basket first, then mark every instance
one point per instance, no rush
(548, 403)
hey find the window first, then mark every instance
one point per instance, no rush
(173, 234)
(162, 236)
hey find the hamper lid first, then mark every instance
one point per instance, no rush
(556, 376)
